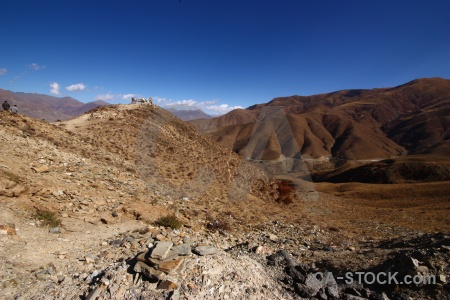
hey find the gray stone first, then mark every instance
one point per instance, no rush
(51, 269)
(205, 250)
(161, 250)
(41, 274)
(188, 241)
(183, 249)
(381, 296)
(91, 258)
(322, 295)
(414, 262)
(174, 295)
(55, 230)
(273, 237)
(95, 293)
(353, 297)
(58, 193)
(304, 291)
(332, 291)
(331, 288)
(148, 271)
(295, 274)
(313, 283)
(281, 257)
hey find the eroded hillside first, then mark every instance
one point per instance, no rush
(352, 124)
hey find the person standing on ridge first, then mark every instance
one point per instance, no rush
(6, 105)
(14, 109)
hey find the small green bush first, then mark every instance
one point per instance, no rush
(47, 218)
(169, 221)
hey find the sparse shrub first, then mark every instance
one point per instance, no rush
(28, 131)
(47, 218)
(218, 224)
(11, 176)
(169, 221)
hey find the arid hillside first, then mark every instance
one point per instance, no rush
(169, 155)
(85, 202)
(413, 118)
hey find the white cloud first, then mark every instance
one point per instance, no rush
(221, 109)
(191, 104)
(76, 87)
(187, 103)
(160, 100)
(36, 67)
(3, 71)
(128, 96)
(106, 97)
(54, 88)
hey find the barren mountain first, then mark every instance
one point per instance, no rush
(188, 115)
(128, 202)
(413, 118)
(47, 107)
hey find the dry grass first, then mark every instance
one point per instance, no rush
(367, 208)
(169, 221)
(215, 224)
(10, 176)
(47, 218)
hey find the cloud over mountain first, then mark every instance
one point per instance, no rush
(76, 87)
(191, 104)
(54, 88)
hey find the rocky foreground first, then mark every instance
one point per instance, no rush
(274, 261)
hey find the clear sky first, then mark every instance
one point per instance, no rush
(218, 54)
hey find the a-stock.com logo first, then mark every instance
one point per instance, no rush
(161, 126)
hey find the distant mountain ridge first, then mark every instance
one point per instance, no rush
(189, 115)
(47, 107)
(413, 118)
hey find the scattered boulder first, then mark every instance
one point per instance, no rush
(205, 250)
(41, 169)
(161, 250)
(167, 285)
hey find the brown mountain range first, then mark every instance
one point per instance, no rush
(413, 118)
(47, 107)
(106, 176)
(188, 115)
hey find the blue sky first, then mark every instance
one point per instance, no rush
(218, 54)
